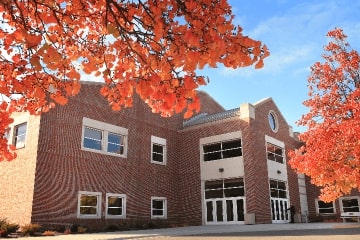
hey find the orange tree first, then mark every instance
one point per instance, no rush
(148, 47)
(331, 154)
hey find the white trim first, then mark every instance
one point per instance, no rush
(123, 215)
(164, 216)
(274, 141)
(161, 142)
(98, 206)
(220, 138)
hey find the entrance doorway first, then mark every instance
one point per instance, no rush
(224, 201)
(279, 211)
(226, 210)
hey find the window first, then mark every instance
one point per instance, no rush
(158, 150)
(20, 135)
(273, 121)
(275, 153)
(89, 204)
(115, 205)
(224, 188)
(350, 204)
(104, 138)
(158, 207)
(277, 189)
(221, 150)
(323, 208)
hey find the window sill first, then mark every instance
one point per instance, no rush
(104, 153)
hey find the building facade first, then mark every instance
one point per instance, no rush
(85, 164)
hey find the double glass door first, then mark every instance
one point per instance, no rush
(225, 210)
(279, 210)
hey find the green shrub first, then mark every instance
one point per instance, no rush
(7, 228)
(30, 229)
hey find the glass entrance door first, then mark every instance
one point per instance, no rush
(279, 211)
(226, 210)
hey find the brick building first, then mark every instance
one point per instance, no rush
(85, 164)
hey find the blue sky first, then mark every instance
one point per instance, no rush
(295, 33)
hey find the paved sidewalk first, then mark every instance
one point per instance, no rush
(204, 230)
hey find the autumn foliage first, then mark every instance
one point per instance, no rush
(152, 48)
(331, 155)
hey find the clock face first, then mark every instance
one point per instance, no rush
(273, 121)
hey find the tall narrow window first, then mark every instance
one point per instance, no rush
(20, 135)
(92, 138)
(158, 150)
(115, 143)
(158, 207)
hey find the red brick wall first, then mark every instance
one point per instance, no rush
(64, 169)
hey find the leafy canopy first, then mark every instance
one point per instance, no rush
(331, 155)
(148, 47)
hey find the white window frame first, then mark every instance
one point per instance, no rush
(123, 197)
(343, 213)
(16, 136)
(161, 142)
(105, 129)
(98, 205)
(164, 200)
(318, 208)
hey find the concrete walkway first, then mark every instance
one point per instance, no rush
(208, 230)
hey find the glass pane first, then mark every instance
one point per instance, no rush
(158, 148)
(92, 143)
(233, 183)
(157, 157)
(114, 201)
(274, 193)
(278, 150)
(232, 153)
(158, 212)
(158, 204)
(92, 138)
(114, 138)
(323, 204)
(240, 209)
(281, 185)
(270, 156)
(216, 147)
(20, 134)
(209, 212)
(282, 194)
(272, 121)
(273, 184)
(213, 184)
(88, 210)
(88, 200)
(231, 144)
(219, 211)
(115, 148)
(229, 211)
(234, 192)
(212, 156)
(214, 194)
(114, 211)
(279, 159)
(93, 134)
